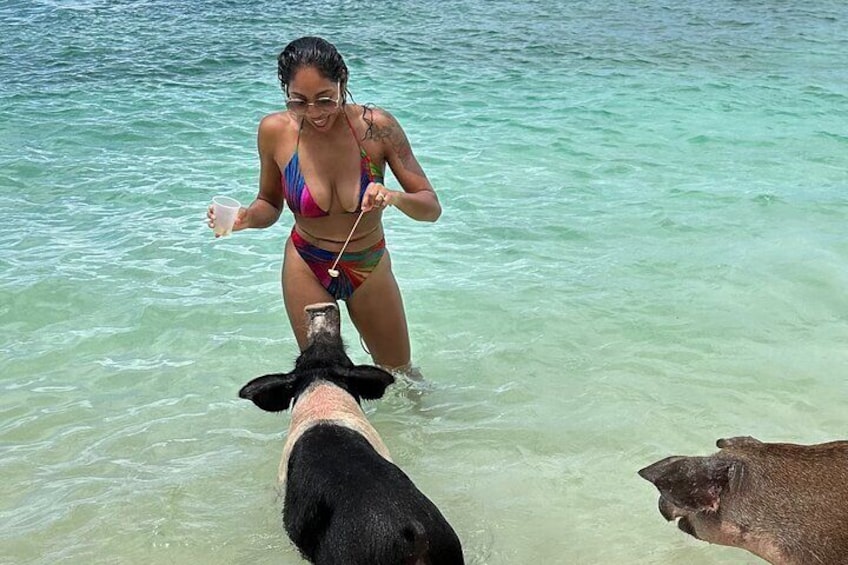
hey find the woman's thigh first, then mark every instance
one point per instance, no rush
(300, 289)
(376, 309)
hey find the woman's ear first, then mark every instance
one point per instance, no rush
(272, 393)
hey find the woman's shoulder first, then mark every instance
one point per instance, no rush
(378, 115)
(379, 123)
(278, 123)
(277, 131)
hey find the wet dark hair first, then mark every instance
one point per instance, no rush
(311, 52)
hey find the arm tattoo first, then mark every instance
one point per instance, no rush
(392, 133)
(368, 117)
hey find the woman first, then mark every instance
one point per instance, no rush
(325, 158)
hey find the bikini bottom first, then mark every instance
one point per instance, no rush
(353, 266)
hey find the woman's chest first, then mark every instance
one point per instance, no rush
(338, 172)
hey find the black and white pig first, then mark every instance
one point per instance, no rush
(345, 502)
(783, 502)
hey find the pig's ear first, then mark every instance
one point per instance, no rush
(271, 393)
(367, 381)
(692, 483)
(740, 441)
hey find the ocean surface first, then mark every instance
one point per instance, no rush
(644, 248)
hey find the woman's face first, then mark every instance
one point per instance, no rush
(314, 98)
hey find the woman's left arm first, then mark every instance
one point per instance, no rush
(418, 200)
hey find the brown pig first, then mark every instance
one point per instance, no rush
(785, 503)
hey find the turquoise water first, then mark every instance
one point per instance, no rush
(643, 248)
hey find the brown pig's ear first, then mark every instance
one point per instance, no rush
(692, 483)
(740, 441)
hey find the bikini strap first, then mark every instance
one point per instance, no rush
(299, 129)
(363, 154)
(352, 129)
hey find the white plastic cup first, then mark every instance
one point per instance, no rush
(225, 210)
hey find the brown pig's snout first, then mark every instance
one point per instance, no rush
(667, 509)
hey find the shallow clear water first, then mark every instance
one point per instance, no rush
(643, 249)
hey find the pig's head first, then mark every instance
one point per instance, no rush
(324, 359)
(692, 488)
(785, 503)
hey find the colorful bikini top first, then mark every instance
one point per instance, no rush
(298, 197)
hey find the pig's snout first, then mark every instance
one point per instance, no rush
(671, 512)
(667, 509)
(322, 319)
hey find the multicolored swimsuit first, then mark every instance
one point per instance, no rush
(298, 197)
(353, 266)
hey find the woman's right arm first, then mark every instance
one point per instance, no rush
(266, 209)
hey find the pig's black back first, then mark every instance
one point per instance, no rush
(346, 505)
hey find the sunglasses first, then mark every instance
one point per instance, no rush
(325, 104)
